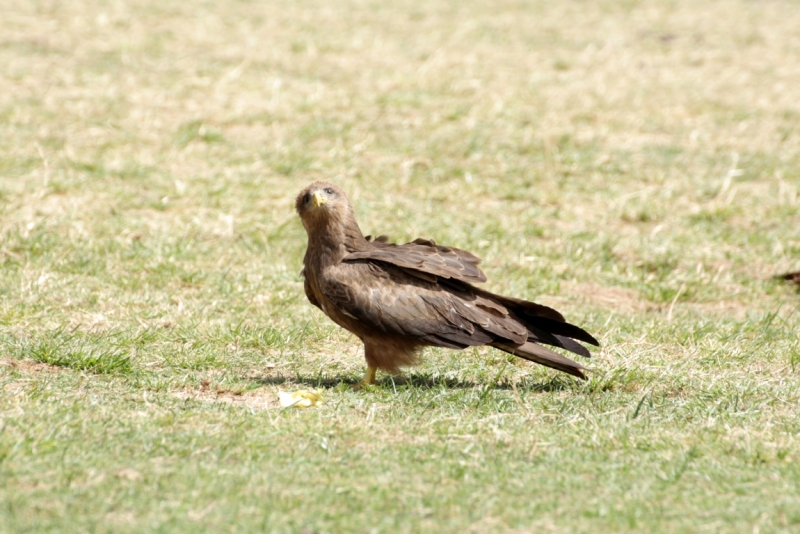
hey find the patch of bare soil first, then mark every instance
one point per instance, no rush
(727, 308)
(613, 298)
(625, 300)
(27, 366)
(259, 399)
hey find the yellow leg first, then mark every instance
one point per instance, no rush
(369, 378)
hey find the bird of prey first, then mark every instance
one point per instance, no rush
(400, 298)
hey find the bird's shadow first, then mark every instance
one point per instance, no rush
(419, 381)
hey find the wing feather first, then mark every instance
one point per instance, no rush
(388, 299)
(544, 356)
(423, 256)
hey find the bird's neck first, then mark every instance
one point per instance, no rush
(329, 243)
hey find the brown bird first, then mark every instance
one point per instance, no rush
(400, 298)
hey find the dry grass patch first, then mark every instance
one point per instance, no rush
(27, 366)
(254, 400)
(614, 299)
(634, 164)
(20, 375)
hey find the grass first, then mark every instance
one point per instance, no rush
(634, 164)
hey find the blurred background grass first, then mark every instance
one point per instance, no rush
(634, 164)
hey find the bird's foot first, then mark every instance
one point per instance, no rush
(368, 380)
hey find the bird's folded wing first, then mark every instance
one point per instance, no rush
(402, 305)
(424, 256)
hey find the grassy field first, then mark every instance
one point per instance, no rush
(635, 164)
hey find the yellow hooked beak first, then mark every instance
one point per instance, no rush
(318, 199)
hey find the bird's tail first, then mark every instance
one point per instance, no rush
(536, 353)
(545, 325)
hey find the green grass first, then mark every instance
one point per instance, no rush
(634, 164)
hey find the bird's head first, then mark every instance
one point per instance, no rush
(322, 204)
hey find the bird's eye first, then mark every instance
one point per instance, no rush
(306, 198)
(329, 190)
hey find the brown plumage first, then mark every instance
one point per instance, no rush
(400, 298)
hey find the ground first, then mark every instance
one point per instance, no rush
(632, 163)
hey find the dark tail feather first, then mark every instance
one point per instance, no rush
(537, 335)
(573, 346)
(794, 277)
(540, 318)
(562, 329)
(536, 353)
